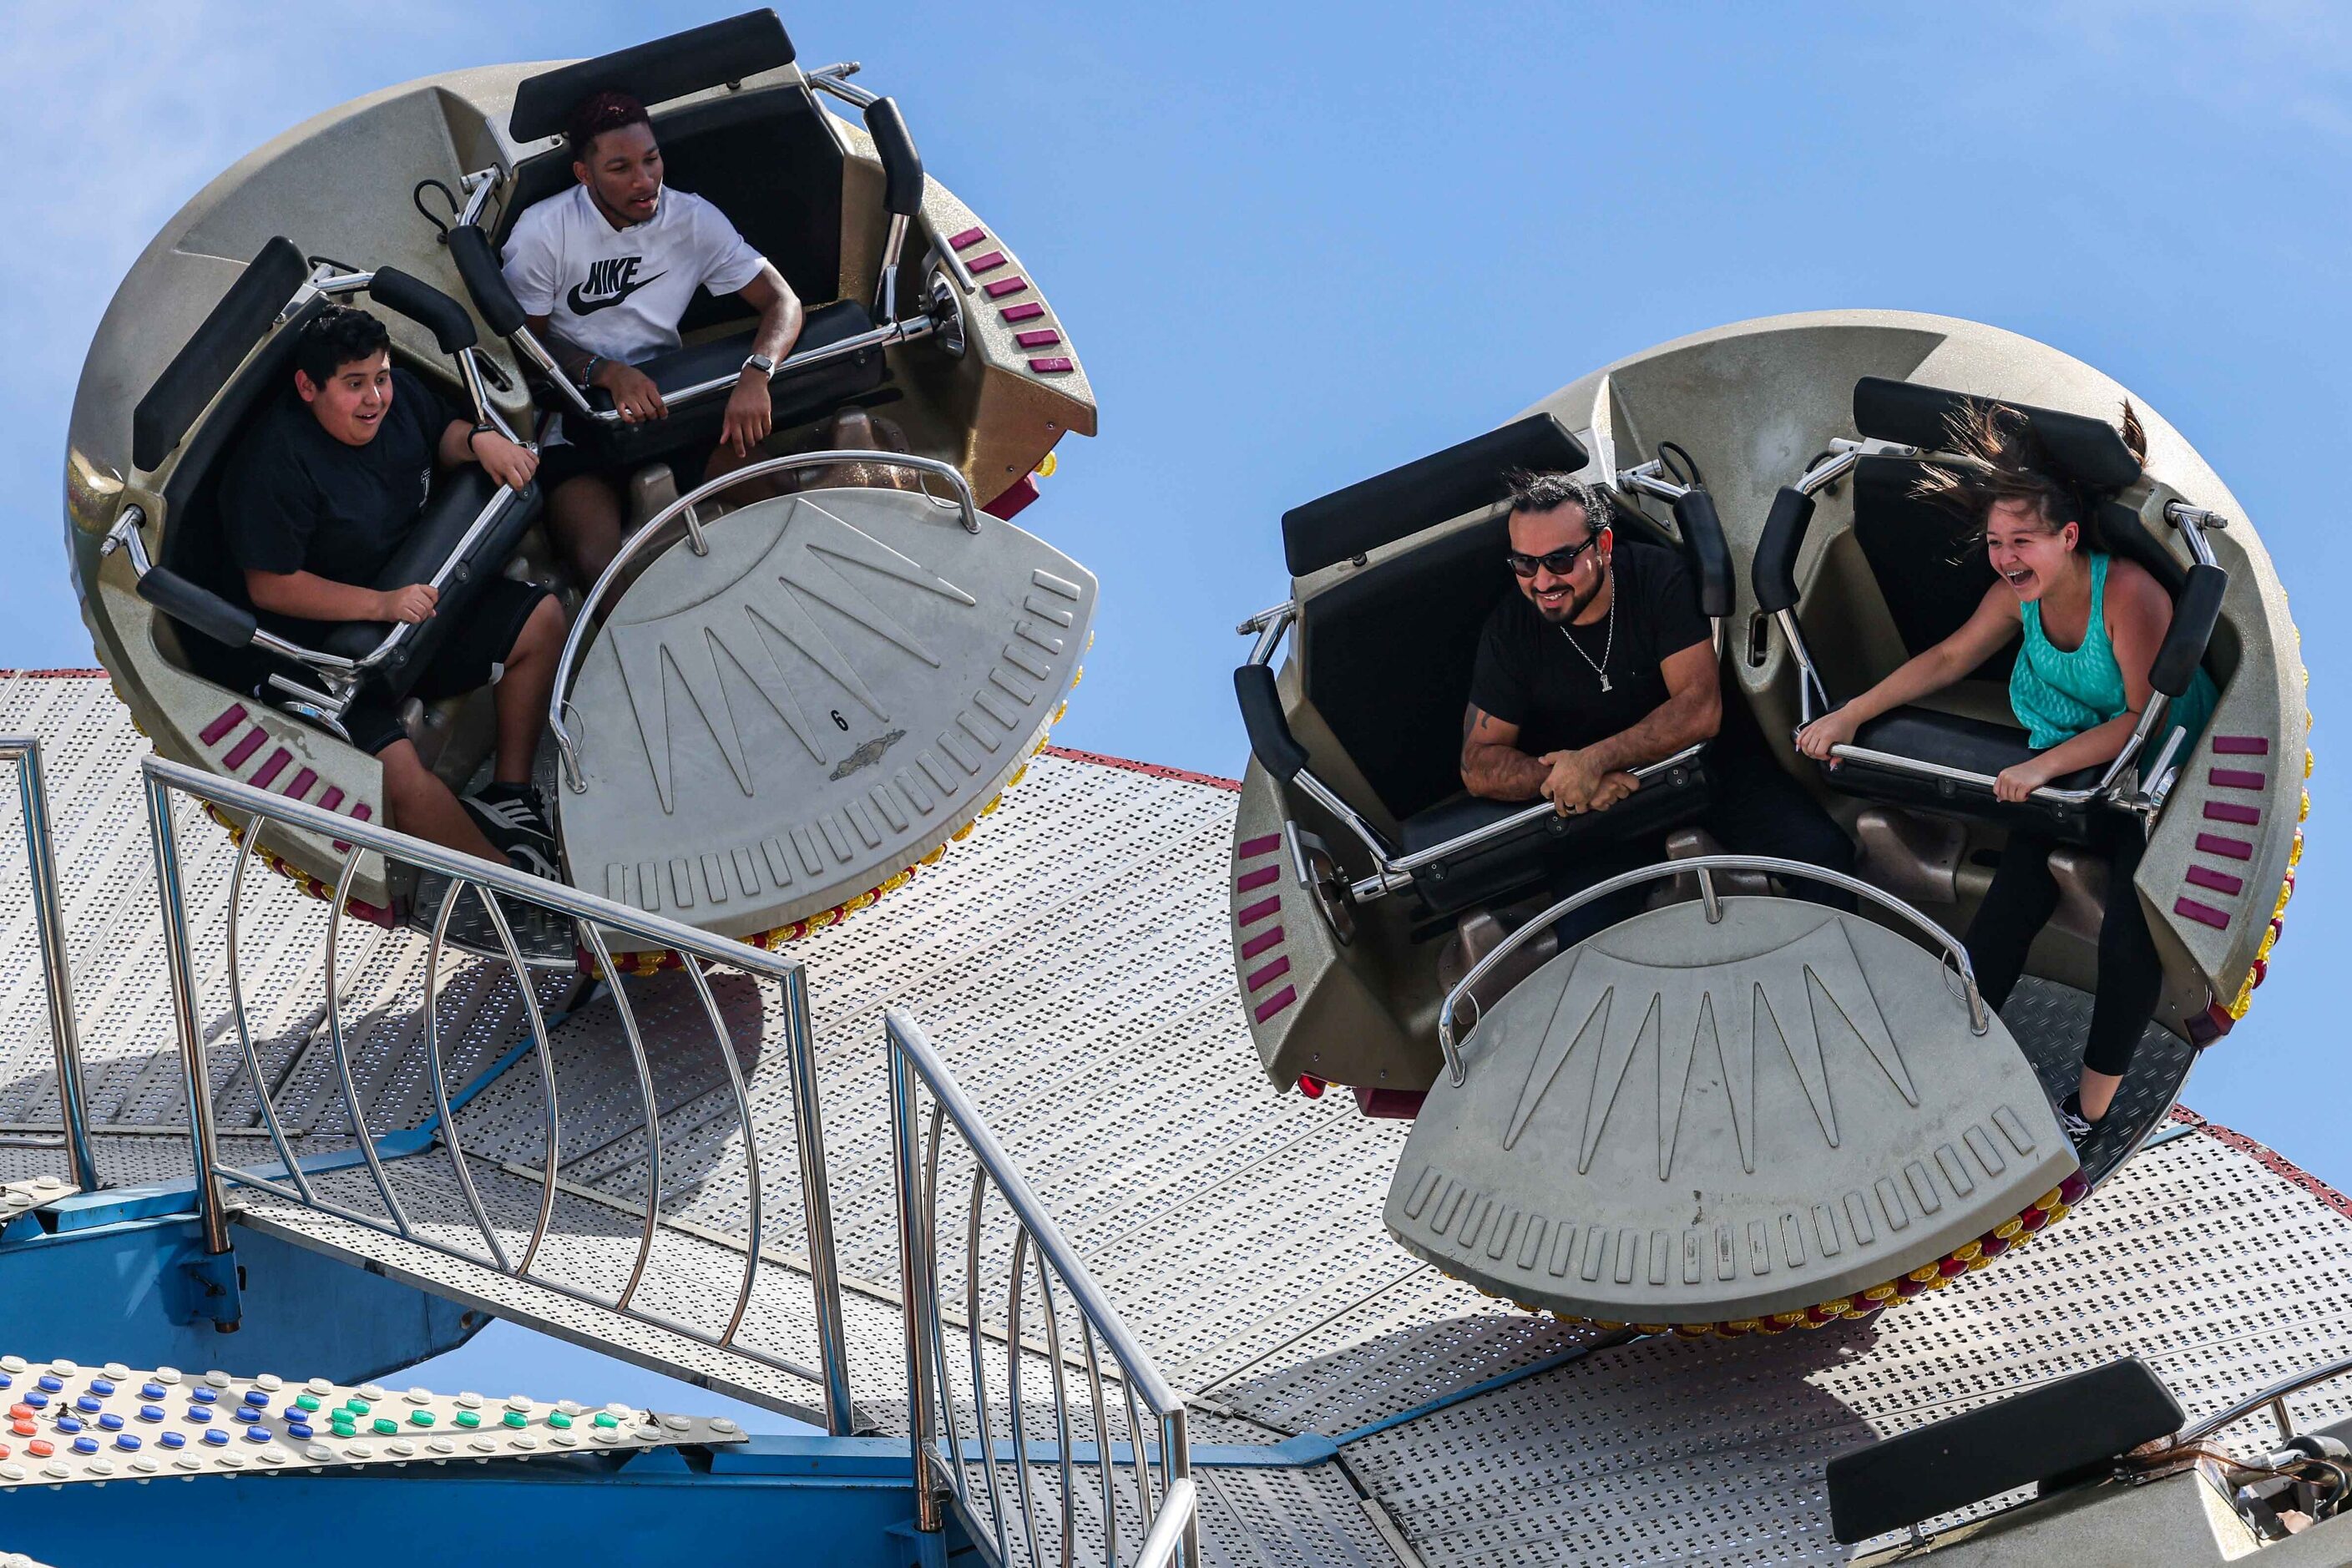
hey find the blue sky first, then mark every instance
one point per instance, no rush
(1296, 245)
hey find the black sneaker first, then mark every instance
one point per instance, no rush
(527, 857)
(2078, 1126)
(511, 815)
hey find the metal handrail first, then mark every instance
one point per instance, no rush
(2274, 1396)
(585, 619)
(1705, 866)
(56, 960)
(1171, 1530)
(590, 916)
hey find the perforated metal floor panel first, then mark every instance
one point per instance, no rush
(1071, 962)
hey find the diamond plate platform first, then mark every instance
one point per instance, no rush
(1071, 960)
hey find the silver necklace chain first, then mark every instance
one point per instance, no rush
(1608, 647)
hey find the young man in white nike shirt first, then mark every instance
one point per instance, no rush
(603, 272)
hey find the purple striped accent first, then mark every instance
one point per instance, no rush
(331, 799)
(2237, 778)
(1042, 337)
(302, 785)
(989, 263)
(967, 239)
(1271, 973)
(2205, 914)
(1003, 286)
(360, 813)
(246, 747)
(2215, 844)
(212, 733)
(1258, 911)
(267, 773)
(1274, 1004)
(2222, 811)
(2242, 746)
(1252, 847)
(1261, 942)
(2220, 881)
(1257, 879)
(1052, 364)
(1027, 311)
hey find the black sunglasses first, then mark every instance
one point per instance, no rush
(1560, 563)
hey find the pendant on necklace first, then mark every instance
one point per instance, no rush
(1604, 683)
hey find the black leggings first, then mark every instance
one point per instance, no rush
(2021, 901)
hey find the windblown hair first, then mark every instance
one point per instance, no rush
(336, 337)
(2003, 461)
(1532, 491)
(600, 112)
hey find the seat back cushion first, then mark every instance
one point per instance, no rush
(1928, 563)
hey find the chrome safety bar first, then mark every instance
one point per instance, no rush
(887, 335)
(499, 889)
(56, 959)
(2274, 1396)
(943, 1451)
(585, 620)
(126, 537)
(1705, 866)
(834, 78)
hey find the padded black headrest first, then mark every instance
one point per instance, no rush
(215, 349)
(1423, 493)
(2087, 451)
(2056, 1432)
(710, 56)
(429, 307)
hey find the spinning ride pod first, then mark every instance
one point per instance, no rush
(1738, 1112)
(767, 716)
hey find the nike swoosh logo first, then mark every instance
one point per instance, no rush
(590, 307)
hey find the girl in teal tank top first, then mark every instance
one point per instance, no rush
(2058, 693)
(2091, 624)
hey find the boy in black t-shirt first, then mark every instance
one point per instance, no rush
(1599, 664)
(317, 498)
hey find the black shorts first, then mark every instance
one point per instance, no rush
(569, 460)
(472, 655)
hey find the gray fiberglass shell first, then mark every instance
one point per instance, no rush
(339, 186)
(1553, 1175)
(843, 681)
(1682, 1121)
(1752, 402)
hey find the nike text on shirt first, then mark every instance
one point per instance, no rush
(619, 292)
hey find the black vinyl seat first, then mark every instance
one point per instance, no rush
(1932, 573)
(797, 396)
(199, 587)
(1520, 860)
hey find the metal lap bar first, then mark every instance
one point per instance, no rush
(490, 882)
(1705, 866)
(585, 619)
(1016, 1528)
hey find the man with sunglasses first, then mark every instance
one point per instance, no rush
(1602, 663)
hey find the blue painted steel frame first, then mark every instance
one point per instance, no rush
(782, 1502)
(103, 1287)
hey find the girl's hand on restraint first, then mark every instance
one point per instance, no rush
(1830, 730)
(2017, 783)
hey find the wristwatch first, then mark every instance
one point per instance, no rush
(761, 363)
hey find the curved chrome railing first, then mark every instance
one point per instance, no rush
(1703, 866)
(1158, 1497)
(498, 888)
(683, 508)
(57, 967)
